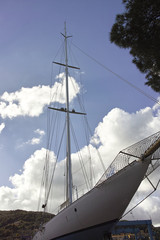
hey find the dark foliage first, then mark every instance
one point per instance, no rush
(138, 28)
(21, 224)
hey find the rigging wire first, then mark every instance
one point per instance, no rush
(88, 133)
(103, 166)
(50, 117)
(154, 189)
(54, 119)
(117, 75)
(87, 128)
(80, 158)
(75, 139)
(50, 185)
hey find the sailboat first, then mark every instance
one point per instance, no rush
(92, 215)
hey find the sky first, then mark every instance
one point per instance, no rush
(118, 114)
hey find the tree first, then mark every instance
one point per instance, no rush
(138, 29)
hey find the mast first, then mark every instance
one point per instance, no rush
(67, 111)
(68, 161)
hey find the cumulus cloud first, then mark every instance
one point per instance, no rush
(37, 140)
(34, 140)
(26, 185)
(147, 200)
(31, 101)
(116, 131)
(40, 132)
(2, 126)
(148, 209)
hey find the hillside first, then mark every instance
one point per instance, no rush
(20, 224)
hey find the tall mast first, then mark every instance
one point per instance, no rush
(67, 111)
(68, 162)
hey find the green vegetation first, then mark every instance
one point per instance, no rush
(20, 224)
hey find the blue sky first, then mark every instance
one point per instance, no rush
(30, 37)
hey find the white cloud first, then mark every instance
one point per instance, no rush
(34, 140)
(2, 126)
(31, 101)
(40, 132)
(148, 209)
(156, 106)
(26, 185)
(148, 195)
(117, 130)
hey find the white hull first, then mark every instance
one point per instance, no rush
(103, 205)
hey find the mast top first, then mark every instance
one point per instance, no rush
(65, 32)
(66, 62)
